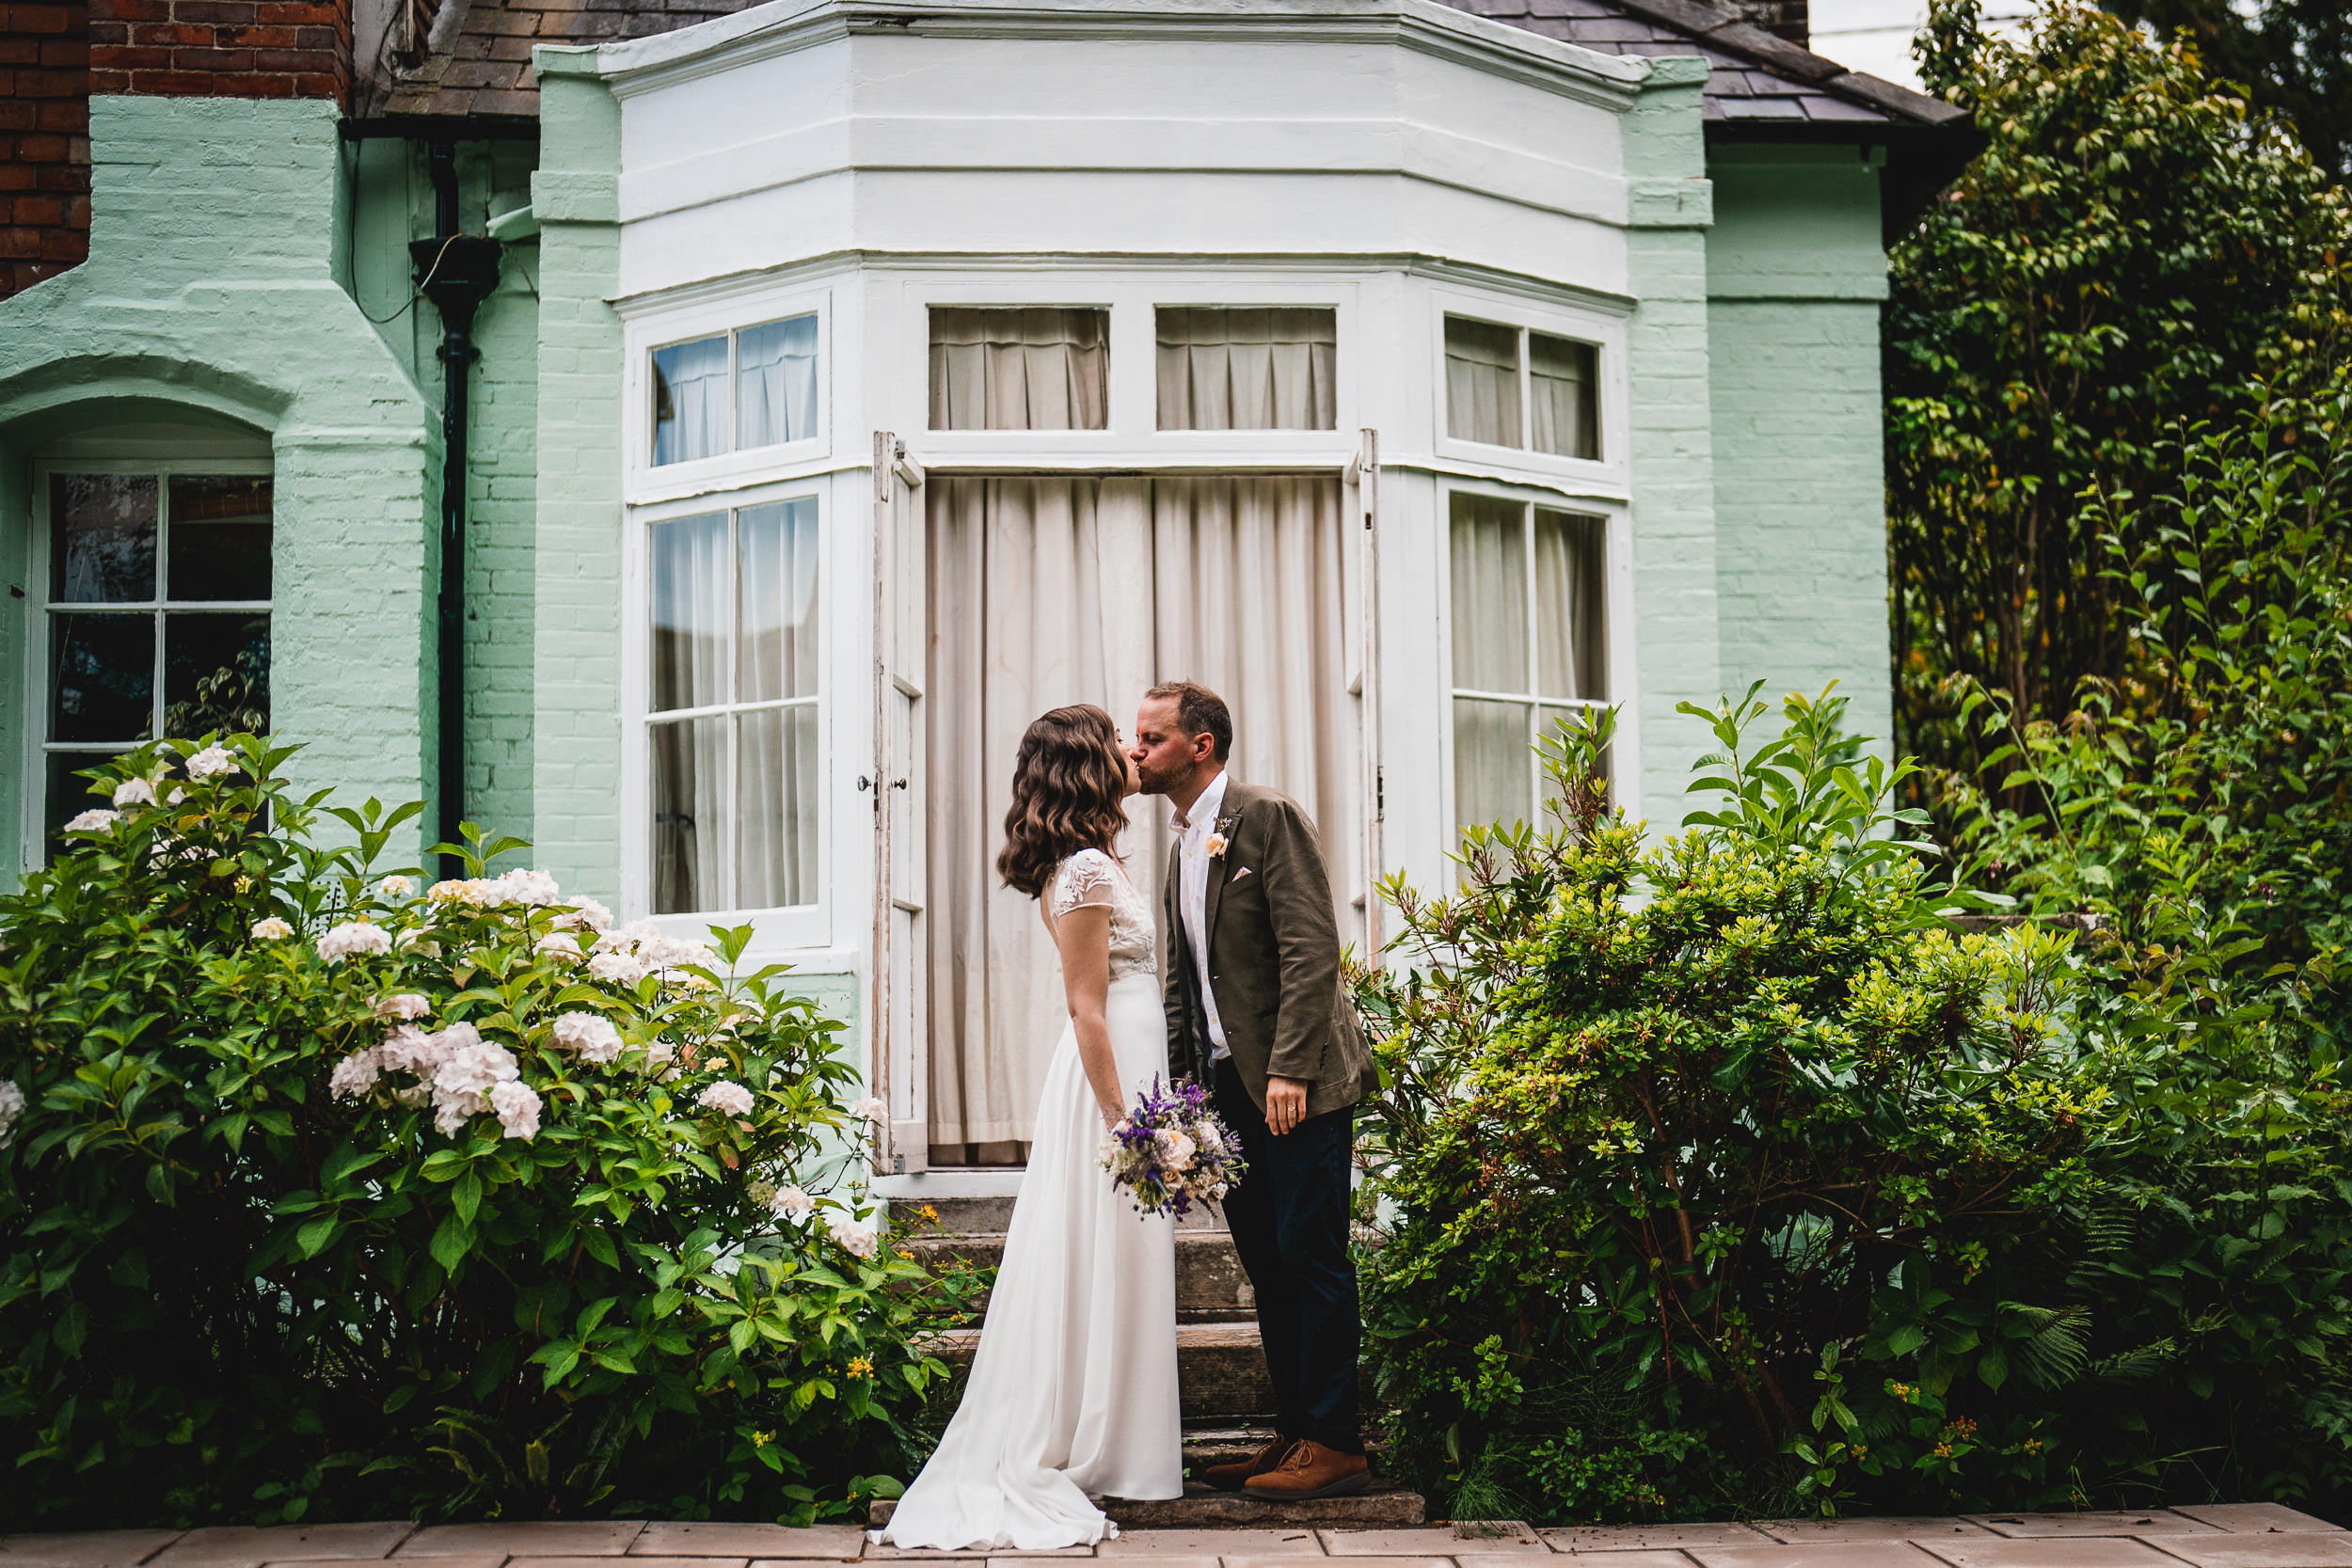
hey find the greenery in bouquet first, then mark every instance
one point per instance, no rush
(324, 1194)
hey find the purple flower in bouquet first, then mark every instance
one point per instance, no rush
(1172, 1152)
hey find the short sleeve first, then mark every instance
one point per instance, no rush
(1087, 880)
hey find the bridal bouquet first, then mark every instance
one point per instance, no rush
(1173, 1152)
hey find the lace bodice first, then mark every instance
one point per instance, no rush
(1091, 878)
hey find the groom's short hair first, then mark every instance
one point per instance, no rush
(1198, 711)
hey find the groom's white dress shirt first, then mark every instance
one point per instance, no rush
(1192, 829)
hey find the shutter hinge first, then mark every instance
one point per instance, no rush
(1380, 794)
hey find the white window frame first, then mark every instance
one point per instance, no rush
(1605, 333)
(37, 746)
(795, 926)
(643, 480)
(1616, 608)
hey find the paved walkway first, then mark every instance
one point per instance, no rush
(2237, 1535)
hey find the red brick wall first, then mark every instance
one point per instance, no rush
(222, 48)
(45, 140)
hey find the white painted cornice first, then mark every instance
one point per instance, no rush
(1424, 26)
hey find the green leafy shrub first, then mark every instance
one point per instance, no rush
(329, 1197)
(1681, 1136)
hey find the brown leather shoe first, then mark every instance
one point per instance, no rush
(1311, 1470)
(1229, 1477)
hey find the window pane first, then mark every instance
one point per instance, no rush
(215, 675)
(101, 677)
(1571, 624)
(1482, 382)
(689, 773)
(689, 612)
(1494, 774)
(219, 545)
(1563, 382)
(1020, 368)
(775, 383)
(1490, 594)
(778, 601)
(776, 788)
(690, 401)
(68, 797)
(1223, 369)
(101, 538)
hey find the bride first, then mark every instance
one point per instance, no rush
(1073, 1391)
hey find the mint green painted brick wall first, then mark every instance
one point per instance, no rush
(576, 739)
(1796, 275)
(191, 301)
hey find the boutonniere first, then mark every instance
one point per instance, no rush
(1216, 847)
(1217, 840)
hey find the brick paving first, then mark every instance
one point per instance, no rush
(2232, 1535)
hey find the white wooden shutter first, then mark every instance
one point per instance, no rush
(900, 1014)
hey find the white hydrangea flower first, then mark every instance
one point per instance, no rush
(410, 1048)
(791, 1203)
(616, 968)
(95, 820)
(134, 792)
(357, 1073)
(456, 890)
(587, 912)
(557, 944)
(628, 937)
(402, 1004)
(727, 1098)
(468, 1069)
(270, 928)
(868, 1109)
(354, 936)
(211, 762)
(592, 1035)
(12, 1108)
(525, 887)
(415, 941)
(761, 1192)
(858, 1238)
(517, 1106)
(396, 887)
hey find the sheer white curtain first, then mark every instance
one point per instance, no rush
(1029, 368)
(1050, 591)
(690, 592)
(775, 755)
(1482, 382)
(1560, 379)
(775, 383)
(1248, 368)
(1571, 622)
(690, 401)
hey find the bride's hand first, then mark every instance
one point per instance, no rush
(1112, 1116)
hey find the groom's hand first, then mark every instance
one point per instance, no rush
(1285, 1103)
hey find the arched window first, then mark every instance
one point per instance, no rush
(152, 616)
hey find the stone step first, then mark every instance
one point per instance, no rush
(1209, 1285)
(1220, 1370)
(989, 1216)
(1386, 1504)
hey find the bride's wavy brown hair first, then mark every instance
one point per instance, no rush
(1068, 781)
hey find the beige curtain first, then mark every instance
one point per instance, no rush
(1020, 368)
(1482, 382)
(1049, 590)
(1225, 369)
(1561, 375)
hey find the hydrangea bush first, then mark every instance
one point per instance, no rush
(325, 1193)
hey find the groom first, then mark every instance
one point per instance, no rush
(1252, 974)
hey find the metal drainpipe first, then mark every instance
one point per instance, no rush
(456, 271)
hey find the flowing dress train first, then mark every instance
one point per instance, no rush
(1073, 1389)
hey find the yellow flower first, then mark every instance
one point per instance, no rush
(905, 1253)
(761, 1440)
(930, 1214)
(860, 1367)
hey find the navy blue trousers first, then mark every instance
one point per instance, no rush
(1289, 1218)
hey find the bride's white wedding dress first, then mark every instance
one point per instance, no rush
(1073, 1391)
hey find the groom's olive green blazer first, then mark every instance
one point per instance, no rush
(1274, 959)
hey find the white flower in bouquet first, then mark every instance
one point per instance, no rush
(270, 928)
(212, 762)
(858, 1238)
(1176, 1150)
(517, 1106)
(354, 936)
(592, 1035)
(791, 1203)
(96, 821)
(134, 792)
(12, 1108)
(868, 1109)
(727, 1098)
(403, 1004)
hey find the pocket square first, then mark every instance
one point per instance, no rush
(1239, 875)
